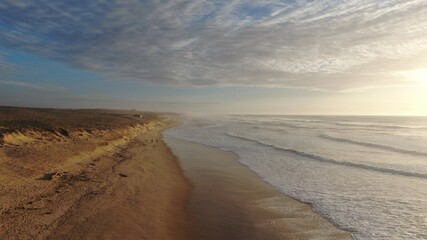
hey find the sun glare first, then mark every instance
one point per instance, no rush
(418, 75)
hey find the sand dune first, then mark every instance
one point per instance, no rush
(63, 171)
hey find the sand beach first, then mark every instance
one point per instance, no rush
(104, 174)
(88, 174)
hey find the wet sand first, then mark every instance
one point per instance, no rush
(228, 201)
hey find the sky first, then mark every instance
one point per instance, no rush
(341, 57)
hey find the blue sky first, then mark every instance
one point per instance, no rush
(238, 56)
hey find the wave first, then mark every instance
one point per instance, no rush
(300, 120)
(352, 124)
(330, 125)
(378, 125)
(332, 161)
(375, 145)
(289, 125)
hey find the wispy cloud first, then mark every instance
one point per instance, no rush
(41, 87)
(4, 65)
(324, 44)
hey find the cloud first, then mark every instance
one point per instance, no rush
(4, 65)
(323, 44)
(41, 87)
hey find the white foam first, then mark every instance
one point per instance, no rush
(370, 204)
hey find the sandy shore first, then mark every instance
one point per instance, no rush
(228, 201)
(102, 174)
(88, 175)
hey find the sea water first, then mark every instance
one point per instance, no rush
(367, 175)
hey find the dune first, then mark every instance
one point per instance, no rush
(84, 174)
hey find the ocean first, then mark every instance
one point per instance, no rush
(367, 175)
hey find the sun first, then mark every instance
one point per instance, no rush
(418, 75)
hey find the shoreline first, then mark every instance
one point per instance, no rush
(236, 157)
(252, 206)
(98, 174)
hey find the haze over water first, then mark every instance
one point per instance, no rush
(368, 175)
